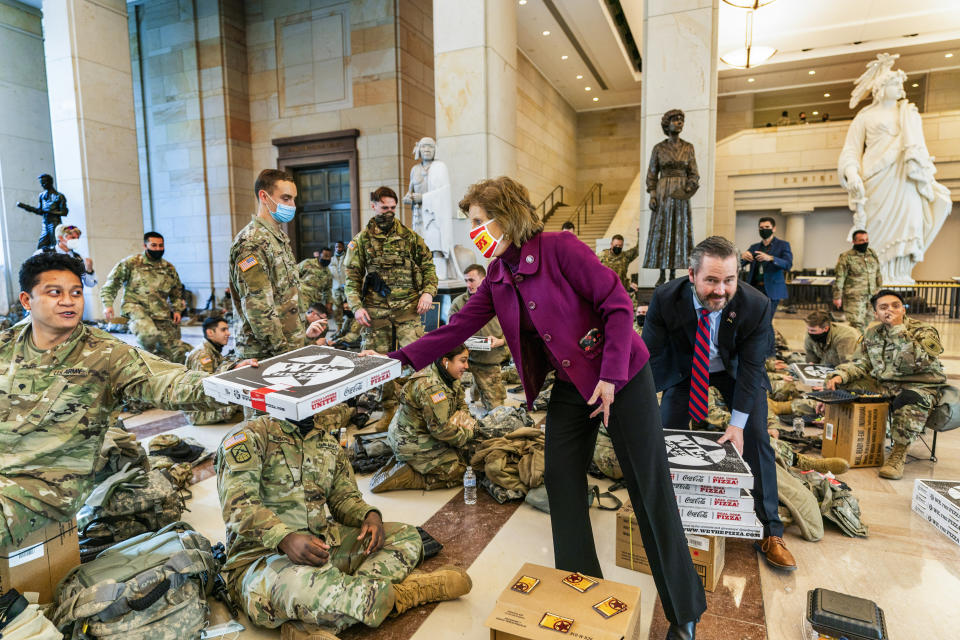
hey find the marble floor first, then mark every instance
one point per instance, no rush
(905, 565)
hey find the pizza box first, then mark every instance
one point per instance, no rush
(722, 529)
(929, 513)
(302, 382)
(696, 515)
(812, 375)
(478, 344)
(708, 490)
(537, 604)
(703, 501)
(946, 492)
(695, 457)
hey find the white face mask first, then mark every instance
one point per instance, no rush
(73, 244)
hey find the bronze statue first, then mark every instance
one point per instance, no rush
(672, 179)
(53, 206)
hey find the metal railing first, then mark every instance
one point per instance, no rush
(928, 297)
(586, 207)
(546, 208)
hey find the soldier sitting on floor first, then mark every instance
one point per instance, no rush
(827, 343)
(288, 563)
(899, 357)
(431, 429)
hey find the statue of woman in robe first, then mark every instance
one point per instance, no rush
(429, 196)
(888, 173)
(672, 179)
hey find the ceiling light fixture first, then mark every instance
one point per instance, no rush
(811, 72)
(748, 4)
(545, 33)
(579, 77)
(588, 88)
(564, 57)
(596, 99)
(816, 113)
(915, 84)
(751, 79)
(948, 55)
(749, 56)
(523, 2)
(826, 95)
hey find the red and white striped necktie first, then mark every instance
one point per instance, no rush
(700, 372)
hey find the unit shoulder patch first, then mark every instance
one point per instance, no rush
(240, 453)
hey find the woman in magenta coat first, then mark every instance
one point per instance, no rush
(561, 309)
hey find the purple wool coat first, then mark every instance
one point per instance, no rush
(567, 292)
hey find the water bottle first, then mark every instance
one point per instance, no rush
(343, 437)
(798, 425)
(469, 487)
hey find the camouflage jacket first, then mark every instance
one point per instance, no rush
(431, 413)
(264, 281)
(150, 287)
(491, 329)
(400, 257)
(316, 282)
(840, 346)
(905, 353)
(857, 274)
(207, 358)
(619, 263)
(56, 405)
(273, 482)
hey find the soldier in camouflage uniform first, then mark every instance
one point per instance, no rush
(388, 253)
(858, 279)
(829, 344)
(316, 280)
(339, 273)
(619, 260)
(60, 380)
(432, 428)
(899, 357)
(287, 562)
(488, 386)
(208, 357)
(152, 299)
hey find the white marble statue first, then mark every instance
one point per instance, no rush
(429, 195)
(888, 173)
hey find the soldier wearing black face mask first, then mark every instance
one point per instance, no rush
(858, 278)
(829, 344)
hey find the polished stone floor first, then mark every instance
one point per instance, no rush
(905, 565)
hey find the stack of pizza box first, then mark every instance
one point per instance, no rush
(938, 501)
(712, 483)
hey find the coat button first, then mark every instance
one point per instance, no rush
(530, 259)
(547, 337)
(531, 305)
(565, 364)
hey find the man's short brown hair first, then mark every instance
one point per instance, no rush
(476, 267)
(818, 319)
(383, 192)
(508, 202)
(268, 178)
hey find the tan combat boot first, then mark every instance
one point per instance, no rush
(892, 469)
(297, 630)
(396, 475)
(836, 466)
(446, 583)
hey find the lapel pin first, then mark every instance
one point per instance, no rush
(733, 314)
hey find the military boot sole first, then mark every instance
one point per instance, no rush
(891, 473)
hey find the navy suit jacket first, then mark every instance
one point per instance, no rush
(774, 273)
(744, 339)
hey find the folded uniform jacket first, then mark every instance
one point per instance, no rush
(514, 461)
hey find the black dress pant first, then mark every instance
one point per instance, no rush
(757, 452)
(637, 436)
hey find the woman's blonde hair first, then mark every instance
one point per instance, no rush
(508, 202)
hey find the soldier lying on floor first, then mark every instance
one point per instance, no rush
(288, 563)
(59, 382)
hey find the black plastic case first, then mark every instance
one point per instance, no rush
(841, 615)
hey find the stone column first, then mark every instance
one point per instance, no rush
(87, 52)
(680, 72)
(795, 234)
(475, 47)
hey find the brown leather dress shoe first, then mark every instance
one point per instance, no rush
(776, 554)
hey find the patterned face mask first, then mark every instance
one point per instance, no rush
(485, 243)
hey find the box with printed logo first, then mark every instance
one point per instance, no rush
(855, 431)
(696, 458)
(938, 501)
(302, 382)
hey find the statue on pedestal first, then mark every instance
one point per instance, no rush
(429, 195)
(888, 173)
(52, 207)
(672, 179)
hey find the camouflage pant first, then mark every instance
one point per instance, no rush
(352, 587)
(384, 336)
(231, 413)
(439, 467)
(787, 391)
(160, 337)
(910, 408)
(858, 311)
(488, 385)
(338, 299)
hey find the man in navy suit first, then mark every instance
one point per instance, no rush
(709, 330)
(770, 260)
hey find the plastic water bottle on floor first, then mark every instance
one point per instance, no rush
(470, 487)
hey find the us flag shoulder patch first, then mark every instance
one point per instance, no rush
(439, 396)
(248, 263)
(234, 440)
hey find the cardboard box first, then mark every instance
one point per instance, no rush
(705, 501)
(302, 382)
(857, 434)
(695, 457)
(517, 615)
(41, 560)
(707, 552)
(936, 501)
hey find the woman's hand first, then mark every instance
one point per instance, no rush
(603, 393)
(369, 352)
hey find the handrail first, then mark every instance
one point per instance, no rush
(543, 211)
(586, 207)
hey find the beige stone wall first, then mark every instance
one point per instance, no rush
(546, 135)
(943, 90)
(608, 151)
